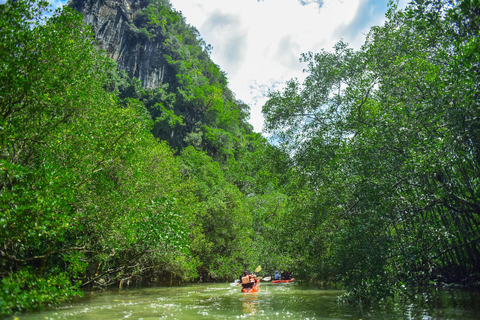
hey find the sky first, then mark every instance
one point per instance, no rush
(258, 43)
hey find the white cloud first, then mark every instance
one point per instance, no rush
(259, 43)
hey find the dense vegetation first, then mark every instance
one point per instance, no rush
(89, 196)
(372, 180)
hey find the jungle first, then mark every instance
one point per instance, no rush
(366, 175)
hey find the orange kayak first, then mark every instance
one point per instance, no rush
(283, 281)
(254, 288)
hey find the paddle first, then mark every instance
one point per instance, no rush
(259, 268)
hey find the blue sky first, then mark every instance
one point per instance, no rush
(258, 42)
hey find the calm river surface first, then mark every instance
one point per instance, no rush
(223, 301)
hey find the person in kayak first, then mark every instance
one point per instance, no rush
(277, 275)
(247, 280)
(286, 275)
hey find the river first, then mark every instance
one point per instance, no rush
(224, 301)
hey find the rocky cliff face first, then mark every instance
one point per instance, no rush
(112, 22)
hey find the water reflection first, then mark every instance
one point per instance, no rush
(250, 303)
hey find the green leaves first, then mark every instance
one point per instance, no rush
(85, 189)
(25, 290)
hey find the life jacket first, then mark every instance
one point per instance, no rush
(245, 279)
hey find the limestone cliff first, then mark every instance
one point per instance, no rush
(151, 41)
(112, 22)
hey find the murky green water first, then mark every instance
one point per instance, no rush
(223, 301)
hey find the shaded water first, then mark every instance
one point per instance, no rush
(223, 301)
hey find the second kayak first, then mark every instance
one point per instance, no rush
(283, 281)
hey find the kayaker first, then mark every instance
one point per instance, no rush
(277, 275)
(247, 280)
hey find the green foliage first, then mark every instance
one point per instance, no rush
(87, 194)
(222, 227)
(25, 290)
